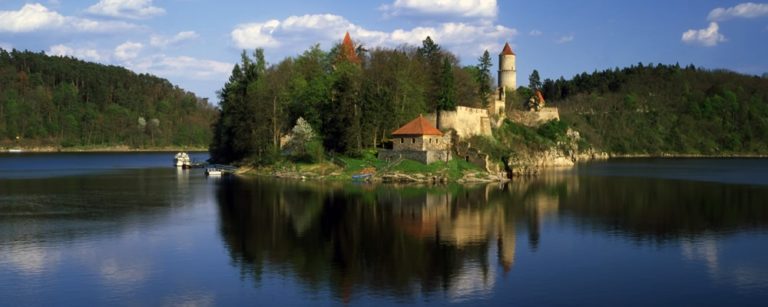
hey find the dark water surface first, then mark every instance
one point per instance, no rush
(127, 229)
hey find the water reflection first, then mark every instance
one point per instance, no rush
(419, 241)
(400, 241)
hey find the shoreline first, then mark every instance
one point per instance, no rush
(52, 149)
(686, 156)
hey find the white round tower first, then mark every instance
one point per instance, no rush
(507, 69)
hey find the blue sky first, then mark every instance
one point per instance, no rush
(194, 43)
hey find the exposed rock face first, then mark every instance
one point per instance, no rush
(564, 155)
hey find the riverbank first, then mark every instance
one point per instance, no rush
(119, 148)
(370, 169)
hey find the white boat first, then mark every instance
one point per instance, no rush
(15, 150)
(182, 159)
(213, 172)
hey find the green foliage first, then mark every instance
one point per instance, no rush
(63, 101)
(668, 109)
(483, 78)
(351, 106)
(534, 81)
(553, 130)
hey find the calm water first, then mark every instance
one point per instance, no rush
(127, 229)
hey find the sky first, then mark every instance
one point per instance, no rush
(195, 43)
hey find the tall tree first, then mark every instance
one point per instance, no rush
(447, 98)
(483, 78)
(534, 81)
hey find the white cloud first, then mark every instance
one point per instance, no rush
(80, 53)
(132, 9)
(181, 66)
(297, 32)
(128, 51)
(460, 8)
(37, 17)
(6, 46)
(743, 10)
(565, 39)
(162, 41)
(535, 33)
(708, 37)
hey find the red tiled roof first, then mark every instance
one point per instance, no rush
(347, 51)
(418, 126)
(507, 50)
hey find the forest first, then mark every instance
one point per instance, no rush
(65, 102)
(654, 109)
(350, 97)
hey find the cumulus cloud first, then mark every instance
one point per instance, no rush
(708, 37)
(131, 9)
(743, 10)
(37, 17)
(128, 51)
(298, 32)
(163, 41)
(181, 66)
(565, 39)
(80, 53)
(459, 8)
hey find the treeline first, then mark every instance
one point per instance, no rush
(352, 97)
(665, 109)
(62, 101)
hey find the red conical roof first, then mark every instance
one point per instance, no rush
(507, 50)
(347, 51)
(418, 126)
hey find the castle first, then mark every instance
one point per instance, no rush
(466, 122)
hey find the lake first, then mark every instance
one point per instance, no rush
(128, 229)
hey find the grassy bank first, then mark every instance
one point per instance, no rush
(343, 168)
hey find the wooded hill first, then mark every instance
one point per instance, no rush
(653, 109)
(62, 101)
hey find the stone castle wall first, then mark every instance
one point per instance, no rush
(466, 121)
(534, 119)
(426, 157)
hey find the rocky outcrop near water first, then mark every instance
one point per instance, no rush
(564, 154)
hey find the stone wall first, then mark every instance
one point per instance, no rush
(426, 157)
(421, 143)
(466, 121)
(534, 118)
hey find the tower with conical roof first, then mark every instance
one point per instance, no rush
(347, 50)
(507, 69)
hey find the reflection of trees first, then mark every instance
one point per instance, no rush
(393, 240)
(661, 209)
(405, 240)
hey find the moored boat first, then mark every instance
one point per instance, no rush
(213, 172)
(182, 160)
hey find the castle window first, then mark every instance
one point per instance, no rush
(402, 140)
(413, 140)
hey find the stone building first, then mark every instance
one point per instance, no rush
(418, 140)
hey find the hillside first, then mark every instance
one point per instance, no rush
(665, 109)
(65, 102)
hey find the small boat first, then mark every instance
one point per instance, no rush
(213, 172)
(182, 159)
(15, 150)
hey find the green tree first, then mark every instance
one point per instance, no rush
(447, 98)
(534, 81)
(483, 78)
